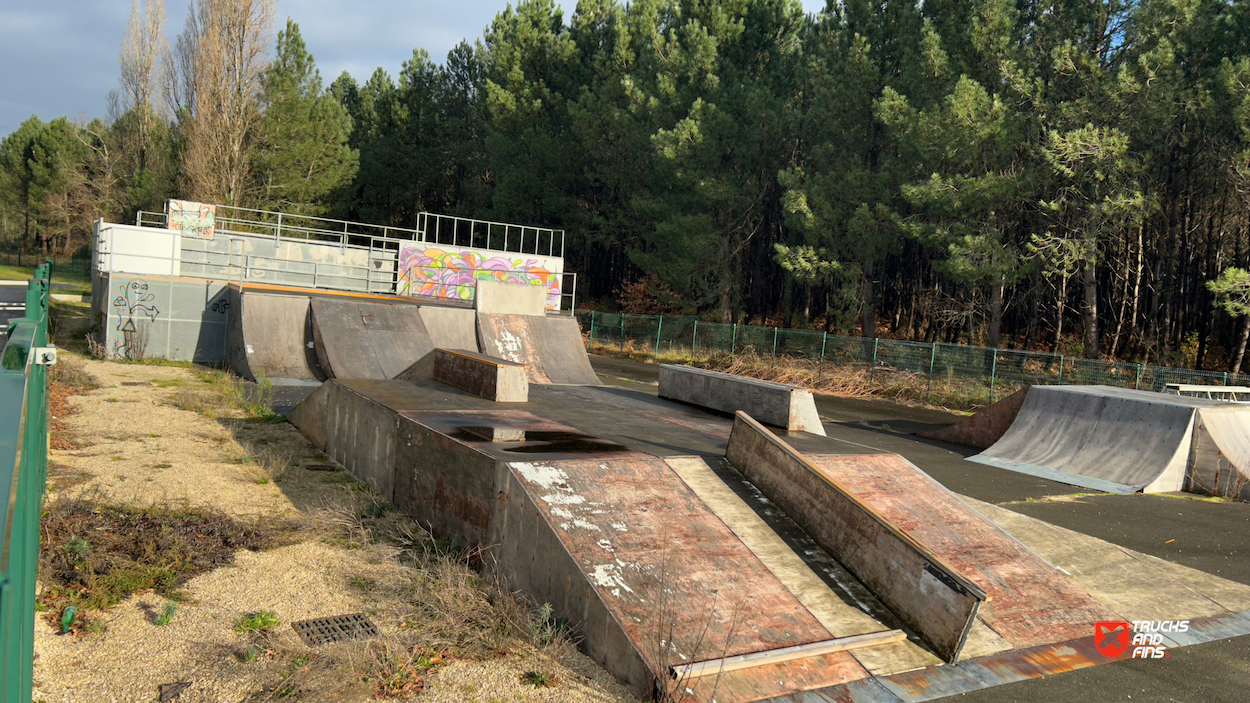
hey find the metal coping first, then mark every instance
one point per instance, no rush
(950, 571)
(335, 628)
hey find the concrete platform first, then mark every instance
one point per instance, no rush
(627, 431)
(483, 376)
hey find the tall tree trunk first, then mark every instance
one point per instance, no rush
(1090, 311)
(868, 312)
(996, 310)
(1034, 294)
(1241, 344)
(1060, 304)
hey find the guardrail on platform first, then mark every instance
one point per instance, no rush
(979, 373)
(23, 472)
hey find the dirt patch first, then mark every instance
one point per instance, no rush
(96, 555)
(175, 468)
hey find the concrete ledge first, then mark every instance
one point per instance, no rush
(936, 601)
(484, 376)
(778, 404)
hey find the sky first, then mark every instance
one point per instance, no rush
(59, 57)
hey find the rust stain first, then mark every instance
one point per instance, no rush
(1030, 602)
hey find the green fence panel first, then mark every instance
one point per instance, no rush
(908, 357)
(714, 338)
(23, 475)
(800, 344)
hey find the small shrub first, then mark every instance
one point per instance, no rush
(167, 614)
(538, 679)
(259, 621)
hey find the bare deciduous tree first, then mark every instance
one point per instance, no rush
(142, 61)
(220, 59)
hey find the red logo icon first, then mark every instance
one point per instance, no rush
(1111, 637)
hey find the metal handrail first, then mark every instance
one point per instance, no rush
(23, 477)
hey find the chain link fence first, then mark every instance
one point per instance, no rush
(981, 373)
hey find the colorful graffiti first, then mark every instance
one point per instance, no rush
(439, 273)
(193, 219)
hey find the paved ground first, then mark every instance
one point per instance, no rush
(12, 301)
(1209, 536)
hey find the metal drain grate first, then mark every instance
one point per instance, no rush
(136, 383)
(335, 628)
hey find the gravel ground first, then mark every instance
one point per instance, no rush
(138, 448)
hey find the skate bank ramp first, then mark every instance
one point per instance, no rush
(269, 335)
(624, 551)
(985, 427)
(551, 347)
(1108, 439)
(376, 340)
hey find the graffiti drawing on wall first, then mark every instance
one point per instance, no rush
(437, 273)
(131, 306)
(192, 219)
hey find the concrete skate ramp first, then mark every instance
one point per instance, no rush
(1029, 602)
(1220, 464)
(646, 575)
(777, 404)
(551, 347)
(932, 597)
(270, 335)
(356, 339)
(1109, 439)
(985, 427)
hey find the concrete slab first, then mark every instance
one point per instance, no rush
(484, 376)
(450, 328)
(777, 404)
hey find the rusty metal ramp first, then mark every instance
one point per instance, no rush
(552, 347)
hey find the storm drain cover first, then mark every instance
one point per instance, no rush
(335, 628)
(136, 383)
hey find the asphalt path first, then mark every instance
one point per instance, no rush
(12, 301)
(1206, 535)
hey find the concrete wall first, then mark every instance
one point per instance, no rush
(933, 599)
(147, 315)
(510, 298)
(777, 404)
(361, 435)
(483, 376)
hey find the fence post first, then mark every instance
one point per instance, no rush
(592, 327)
(694, 339)
(872, 370)
(621, 344)
(1226, 378)
(823, 340)
(1137, 383)
(932, 360)
(993, 374)
(1060, 370)
(658, 329)
(774, 345)
(733, 342)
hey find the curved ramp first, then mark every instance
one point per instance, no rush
(551, 347)
(270, 336)
(379, 340)
(1109, 439)
(1221, 453)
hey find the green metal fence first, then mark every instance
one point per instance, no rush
(23, 470)
(980, 372)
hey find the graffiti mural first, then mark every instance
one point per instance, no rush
(450, 273)
(131, 306)
(192, 219)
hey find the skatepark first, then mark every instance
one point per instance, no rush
(716, 537)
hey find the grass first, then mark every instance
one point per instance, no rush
(77, 282)
(167, 615)
(95, 555)
(538, 679)
(844, 380)
(259, 621)
(67, 378)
